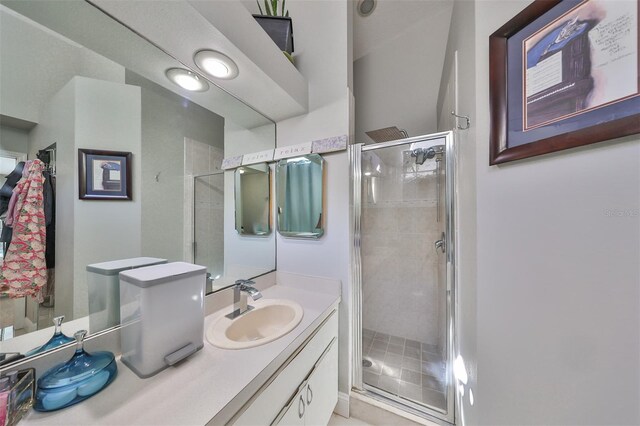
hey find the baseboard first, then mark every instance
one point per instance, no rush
(342, 407)
(376, 412)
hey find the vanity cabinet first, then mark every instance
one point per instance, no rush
(317, 398)
(304, 391)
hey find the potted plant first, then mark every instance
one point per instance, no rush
(279, 27)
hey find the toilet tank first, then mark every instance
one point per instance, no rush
(162, 314)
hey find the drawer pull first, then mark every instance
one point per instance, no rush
(301, 407)
(309, 395)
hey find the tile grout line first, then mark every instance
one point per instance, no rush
(398, 380)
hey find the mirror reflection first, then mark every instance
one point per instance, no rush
(252, 188)
(300, 196)
(72, 78)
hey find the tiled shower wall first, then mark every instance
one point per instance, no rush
(402, 293)
(201, 158)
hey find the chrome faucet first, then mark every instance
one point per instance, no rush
(241, 290)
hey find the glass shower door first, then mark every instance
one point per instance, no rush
(405, 305)
(208, 224)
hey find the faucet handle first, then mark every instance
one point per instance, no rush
(244, 283)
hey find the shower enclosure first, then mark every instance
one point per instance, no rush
(208, 225)
(403, 272)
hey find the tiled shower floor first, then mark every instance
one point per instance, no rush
(404, 368)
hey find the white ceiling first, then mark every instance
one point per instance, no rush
(390, 19)
(179, 28)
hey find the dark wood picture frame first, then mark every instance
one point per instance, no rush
(500, 149)
(116, 163)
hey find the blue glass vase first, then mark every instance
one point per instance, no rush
(58, 339)
(83, 376)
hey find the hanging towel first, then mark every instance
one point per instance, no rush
(24, 271)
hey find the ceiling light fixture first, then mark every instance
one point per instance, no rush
(187, 79)
(366, 7)
(216, 64)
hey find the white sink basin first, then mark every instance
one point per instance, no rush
(271, 319)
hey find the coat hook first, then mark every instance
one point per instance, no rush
(465, 117)
(158, 177)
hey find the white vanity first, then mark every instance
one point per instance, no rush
(290, 380)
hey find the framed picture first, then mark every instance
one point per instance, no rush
(564, 73)
(104, 175)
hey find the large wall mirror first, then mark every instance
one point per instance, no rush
(73, 78)
(300, 196)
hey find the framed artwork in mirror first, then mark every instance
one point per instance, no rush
(104, 175)
(564, 73)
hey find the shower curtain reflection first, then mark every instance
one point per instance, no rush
(299, 183)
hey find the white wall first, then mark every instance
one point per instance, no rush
(90, 231)
(397, 83)
(461, 39)
(322, 56)
(167, 119)
(105, 230)
(15, 140)
(245, 256)
(558, 288)
(57, 120)
(37, 63)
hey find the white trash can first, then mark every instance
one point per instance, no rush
(103, 285)
(162, 311)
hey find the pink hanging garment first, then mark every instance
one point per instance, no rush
(12, 207)
(24, 271)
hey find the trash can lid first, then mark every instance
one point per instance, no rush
(158, 274)
(114, 267)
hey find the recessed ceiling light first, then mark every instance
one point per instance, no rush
(216, 64)
(366, 7)
(187, 79)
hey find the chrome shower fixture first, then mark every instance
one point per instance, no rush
(423, 154)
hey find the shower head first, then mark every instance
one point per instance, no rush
(387, 134)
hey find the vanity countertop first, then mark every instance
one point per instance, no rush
(210, 386)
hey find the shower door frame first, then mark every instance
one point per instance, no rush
(355, 157)
(194, 243)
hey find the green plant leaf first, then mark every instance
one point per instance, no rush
(266, 7)
(259, 8)
(287, 15)
(282, 10)
(274, 7)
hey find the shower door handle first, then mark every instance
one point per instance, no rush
(440, 244)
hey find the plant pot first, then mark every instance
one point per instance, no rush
(280, 29)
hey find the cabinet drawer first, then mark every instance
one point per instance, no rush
(270, 399)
